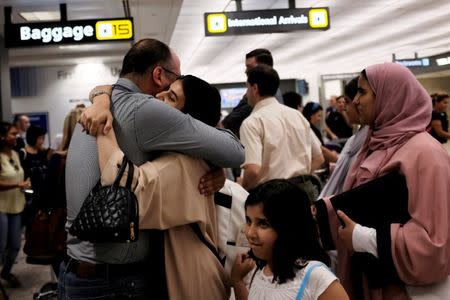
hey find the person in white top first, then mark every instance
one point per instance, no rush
(286, 260)
(278, 140)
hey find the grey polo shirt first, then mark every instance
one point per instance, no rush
(143, 125)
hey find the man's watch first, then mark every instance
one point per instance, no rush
(95, 93)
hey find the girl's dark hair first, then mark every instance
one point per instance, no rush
(33, 133)
(202, 100)
(351, 88)
(311, 108)
(288, 210)
(4, 129)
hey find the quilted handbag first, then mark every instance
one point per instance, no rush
(110, 214)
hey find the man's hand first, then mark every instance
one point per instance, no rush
(346, 233)
(212, 182)
(97, 118)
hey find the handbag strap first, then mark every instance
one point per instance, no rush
(123, 166)
(130, 174)
(306, 280)
(202, 238)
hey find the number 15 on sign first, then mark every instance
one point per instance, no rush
(114, 30)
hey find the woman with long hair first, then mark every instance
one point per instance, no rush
(12, 201)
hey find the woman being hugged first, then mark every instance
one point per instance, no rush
(12, 201)
(284, 241)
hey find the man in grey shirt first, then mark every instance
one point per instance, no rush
(143, 126)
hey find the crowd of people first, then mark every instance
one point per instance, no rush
(32, 195)
(267, 230)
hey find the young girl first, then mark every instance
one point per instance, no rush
(284, 242)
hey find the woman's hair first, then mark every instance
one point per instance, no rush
(5, 127)
(311, 108)
(293, 100)
(69, 126)
(288, 211)
(33, 133)
(351, 88)
(202, 100)
(364, 74)
(439, 97)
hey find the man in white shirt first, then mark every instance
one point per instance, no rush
(278, 140)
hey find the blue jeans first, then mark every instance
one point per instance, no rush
(108, 285)
(10, 239)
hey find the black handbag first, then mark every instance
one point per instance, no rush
(110, 214)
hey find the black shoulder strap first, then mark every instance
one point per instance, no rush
(213, 249)
(130, 174)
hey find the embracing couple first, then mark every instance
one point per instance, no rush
(174, 190)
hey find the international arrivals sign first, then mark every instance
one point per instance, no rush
(266, 21)
(68, 32)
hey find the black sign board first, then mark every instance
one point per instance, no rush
(266, 21)
(68, 32)
(416, 62)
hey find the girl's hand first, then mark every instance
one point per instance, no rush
(346, 232)
(242, 265)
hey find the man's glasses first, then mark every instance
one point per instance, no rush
(16, 167)
(171, 72)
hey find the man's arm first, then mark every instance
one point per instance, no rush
(437, 126)
(317, 158)
(330, 133)
(251, 176)
(160, 127)
(251, 137)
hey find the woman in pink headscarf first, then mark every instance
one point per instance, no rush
(397, 108)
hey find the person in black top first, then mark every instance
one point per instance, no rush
(337, 122)
(313, 113)
(439, 118)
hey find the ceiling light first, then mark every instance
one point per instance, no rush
(41, 16)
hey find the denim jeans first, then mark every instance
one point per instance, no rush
(108, 285)
(10, 239)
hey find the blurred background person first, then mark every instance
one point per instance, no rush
(22, 123)
(12, 201)
(69, 125)
(313, 113)
(439, 118)
(337, 121)
(293, 100)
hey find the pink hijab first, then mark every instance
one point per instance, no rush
(402, 108)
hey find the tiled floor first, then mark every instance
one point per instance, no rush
(32, 277)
